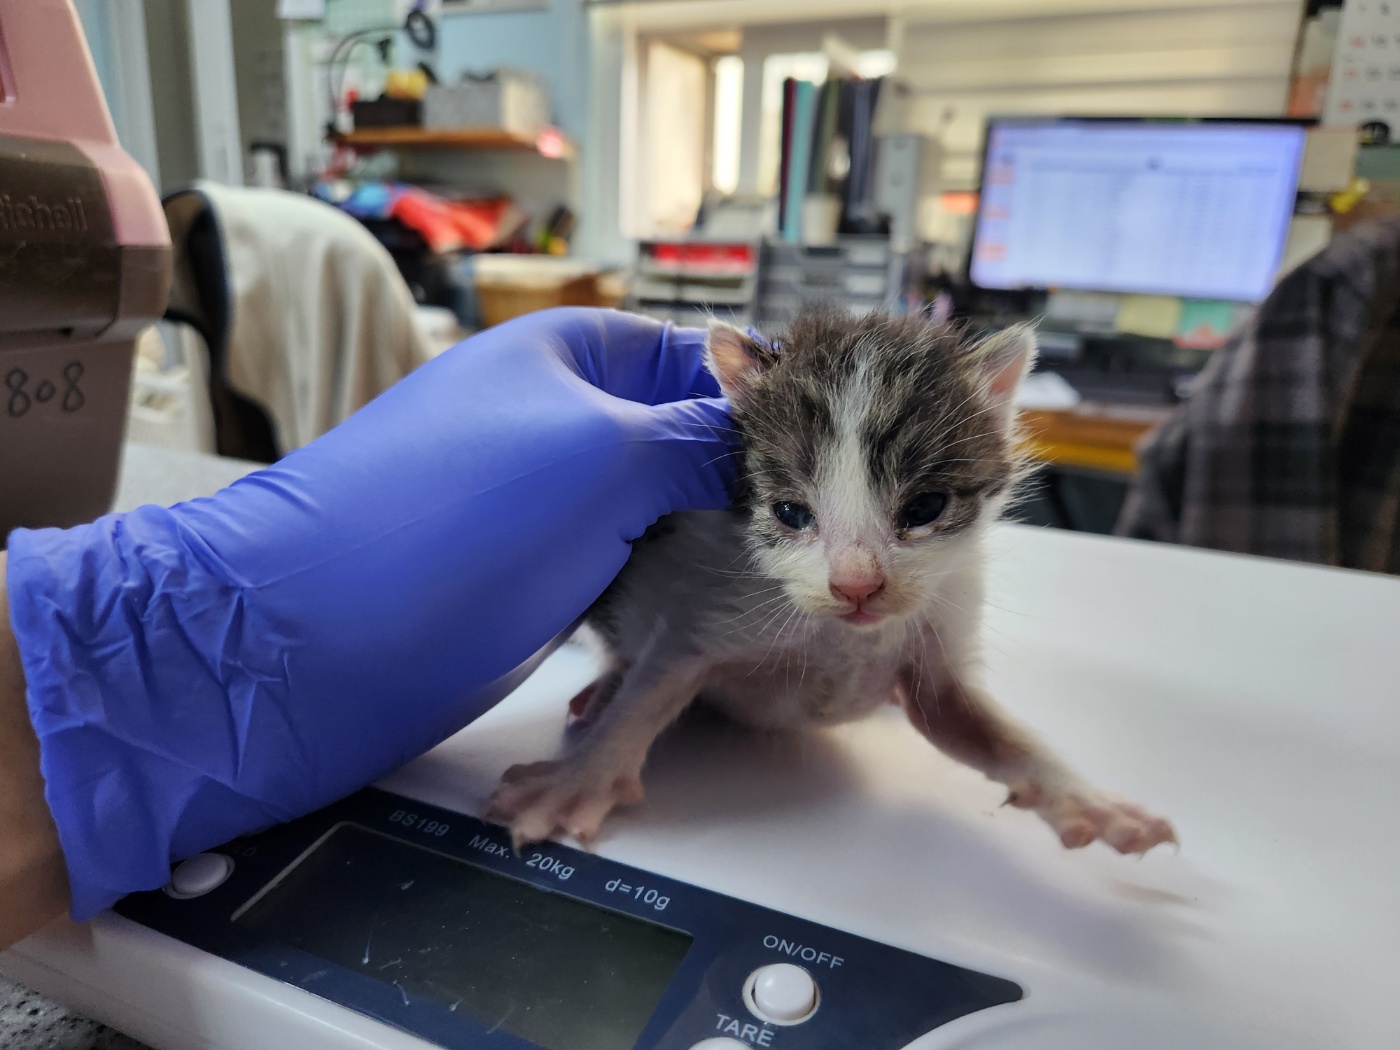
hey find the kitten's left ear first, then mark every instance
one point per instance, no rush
(1004, 360)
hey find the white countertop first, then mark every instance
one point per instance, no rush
(162, 475)
(1255, 703)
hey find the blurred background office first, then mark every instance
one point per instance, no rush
(1136, 176)
(1196, 201)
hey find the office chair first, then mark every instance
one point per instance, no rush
(1289, 445)
(304, 313)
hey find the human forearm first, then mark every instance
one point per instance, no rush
(33, 880)
(197, 672)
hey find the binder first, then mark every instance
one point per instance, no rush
(799, 159)
(785, 155)
(818, 120)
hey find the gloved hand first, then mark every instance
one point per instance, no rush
(201, 671)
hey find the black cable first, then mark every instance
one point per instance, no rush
(347, 45)
(420, 29)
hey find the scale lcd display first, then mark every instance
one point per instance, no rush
(559, 972)
(1172, 208)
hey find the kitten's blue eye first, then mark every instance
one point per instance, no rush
(794, 515)
(923, 509)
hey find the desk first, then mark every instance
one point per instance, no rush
(1129, 385)
(1252, 701)
(1091, 436)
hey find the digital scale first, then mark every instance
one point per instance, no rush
(848, 888)
(458, 939)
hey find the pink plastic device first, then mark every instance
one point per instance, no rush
(84, 266)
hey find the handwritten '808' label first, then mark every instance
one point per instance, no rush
(24, 393)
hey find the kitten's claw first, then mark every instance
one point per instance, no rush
(537, 800)
(1081, 814)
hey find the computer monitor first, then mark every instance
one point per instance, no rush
(1191, 208)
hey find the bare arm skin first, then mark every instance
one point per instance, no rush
(33, 879)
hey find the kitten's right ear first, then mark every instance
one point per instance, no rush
(735, 358)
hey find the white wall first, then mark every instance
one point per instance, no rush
(172, 92)
(1150, 58)
(552, 42)
(116, 36)
(1153, 57)
(259, 72)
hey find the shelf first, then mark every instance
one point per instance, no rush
(549, 143)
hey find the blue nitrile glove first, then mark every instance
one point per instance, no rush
(201, 671)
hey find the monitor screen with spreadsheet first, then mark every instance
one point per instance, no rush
(1193, 208)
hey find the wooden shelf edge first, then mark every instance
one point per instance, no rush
(450, 138)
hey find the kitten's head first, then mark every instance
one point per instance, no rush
(875, 450)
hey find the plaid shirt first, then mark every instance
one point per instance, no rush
(1290, 443)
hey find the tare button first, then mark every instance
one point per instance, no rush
(721, 1043)
(781, 993)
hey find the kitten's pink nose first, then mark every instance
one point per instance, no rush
(857, 589)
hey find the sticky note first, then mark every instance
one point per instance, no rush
(1098, 309)
(1151, 315)
(1205, 323)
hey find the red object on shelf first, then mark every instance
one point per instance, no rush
(694, 258)
(451, 225)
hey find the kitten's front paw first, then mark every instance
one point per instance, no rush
(1081, 813)
(541, 798)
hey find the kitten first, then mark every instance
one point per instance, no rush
(848, 574)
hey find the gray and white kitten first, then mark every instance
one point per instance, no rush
(847, 575)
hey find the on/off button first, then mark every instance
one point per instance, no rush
(781, 993)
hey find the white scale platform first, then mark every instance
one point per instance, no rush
(1255, 703)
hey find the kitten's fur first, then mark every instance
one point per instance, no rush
(851, 419)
